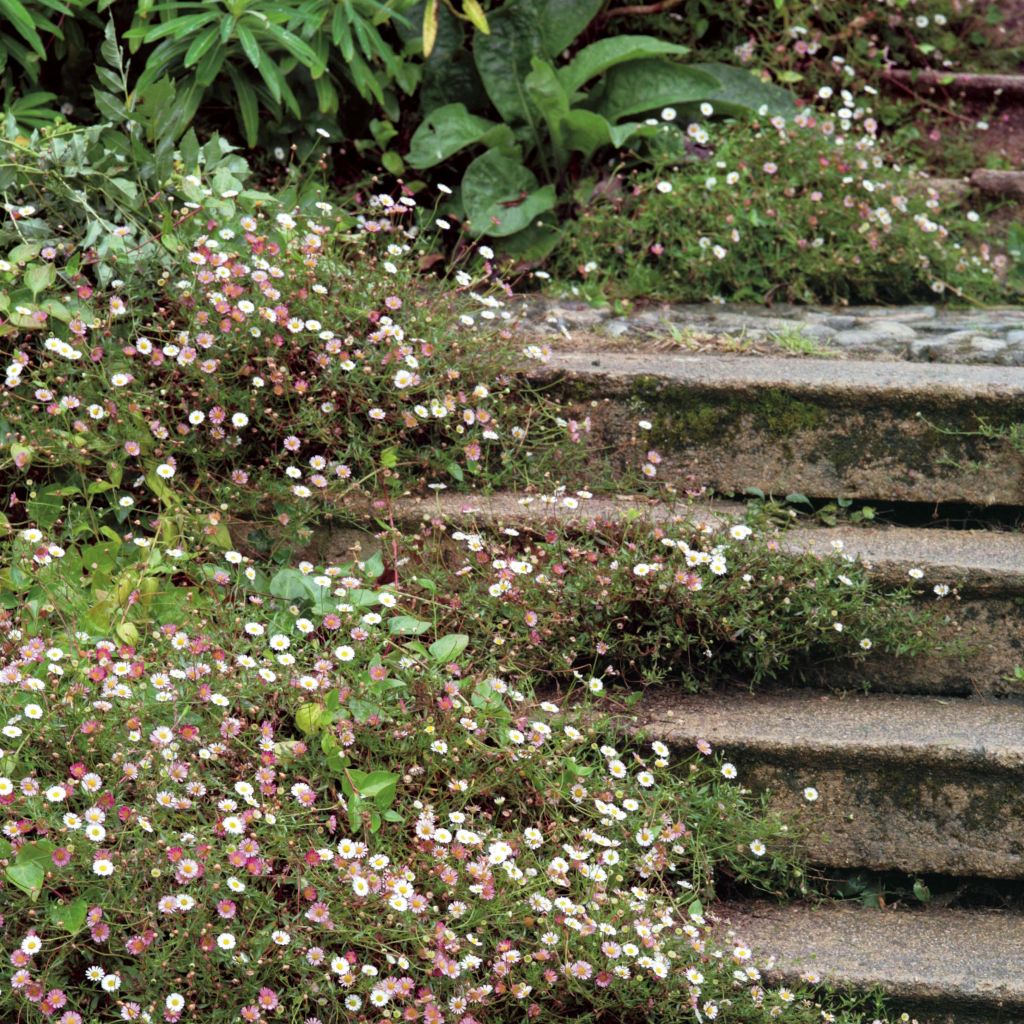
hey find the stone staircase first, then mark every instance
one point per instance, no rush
(919, 765)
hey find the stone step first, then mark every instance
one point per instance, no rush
(993, 335)
(917, 785)
(968, 83)
(941, 966)
(986, 568)
(824, 428)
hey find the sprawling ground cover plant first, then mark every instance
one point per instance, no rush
(690, 602)
(816, 209)
(288, 356)
(244, 813)
(235, 786)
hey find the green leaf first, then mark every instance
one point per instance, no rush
(550, 98)
(448, 648)
(696, 909)
(475, 13)
(561, 21)
(199, 46)
(407, 625)
(389, 457)
(250, 47)
(597, 58)
(46, 506)
(503, 57)
(740, 92)
(377, 786)
(644, 85)
(289, 584)
(500, 195)
(26, 876)
(248, 107)
(25, 252)
(70, 916)
(39, 277)
(430, 12)
(443, 132)
(15, 14)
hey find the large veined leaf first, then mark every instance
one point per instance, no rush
(597, 58)
(547, 95)
(649, 85)
(740, 92)
(562, 21)
(501, 196)
(447, 130)
(503, 58)
(520, 31)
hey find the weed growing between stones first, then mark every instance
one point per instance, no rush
(240, 790)
(815, 209)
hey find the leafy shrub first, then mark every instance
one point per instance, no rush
(815, 210)
(550, 114)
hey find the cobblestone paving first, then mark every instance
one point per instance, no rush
(919, 333)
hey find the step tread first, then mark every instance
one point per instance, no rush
(983, 559)
(827, 376)
(935, 955)
(950, 731)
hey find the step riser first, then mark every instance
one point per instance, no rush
(992, 629)
(941, 967)
(914, 818)
(911, 785)
(782, 440)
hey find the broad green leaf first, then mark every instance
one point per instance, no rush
(448, 648)
(585, 132)
(503, 57)
(26, 876)
(533, 244)
(500, 195)
(290, 585)
(443, 132)
(407, 625)
(46, 506)
(561, 21)
(377, 786)
(550, 98)
(25, 252)
(70, 916)
(39, 277)
(598, 57)
(309, 719)
(645, 85)
(741, 92)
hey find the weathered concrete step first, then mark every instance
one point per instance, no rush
(1001, 184)
(942, 966)
(986, 570)
(987, 84)
(910, 784)
(876, 430)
